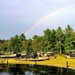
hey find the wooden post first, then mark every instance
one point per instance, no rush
(2, 61)
(7, 61)
(67, 64)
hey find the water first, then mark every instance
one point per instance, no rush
(18, 69)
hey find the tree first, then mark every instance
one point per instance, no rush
(35, 43)
(47, 39)
(22, 37)
(15, 43)
(40, 43)
(23, 42)
(53, 39)
(60, 38)
(3, 46)
(69, 38)
(29, 47)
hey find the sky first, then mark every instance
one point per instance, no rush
(32, 17)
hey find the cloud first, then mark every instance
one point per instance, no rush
(17, 16)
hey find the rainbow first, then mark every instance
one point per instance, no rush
(39, 21)
(47, 16)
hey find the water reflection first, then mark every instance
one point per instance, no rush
(18, 69)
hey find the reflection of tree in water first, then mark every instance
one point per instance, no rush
(70, 72)
(17, 69)
(35, 69)
(61, 71)
(3, 67)
(46, 70)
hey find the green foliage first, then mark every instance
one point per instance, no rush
(59, 39)
(52, 40)
(69, 38)
(47, 39)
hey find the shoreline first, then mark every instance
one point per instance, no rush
(60, 61)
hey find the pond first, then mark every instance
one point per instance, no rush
(18, 69)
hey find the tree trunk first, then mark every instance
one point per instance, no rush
(60, 45)
(60, 50)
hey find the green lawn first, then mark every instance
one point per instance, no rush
(59, 61)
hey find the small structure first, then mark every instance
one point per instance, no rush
(50, 54)
(70, 53)
(18, 55)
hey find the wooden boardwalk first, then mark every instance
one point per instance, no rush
(36, 59)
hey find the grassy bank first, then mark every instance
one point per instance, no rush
(60, 61)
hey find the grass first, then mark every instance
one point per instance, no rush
(59, 61)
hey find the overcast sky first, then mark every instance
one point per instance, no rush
(32, 17)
